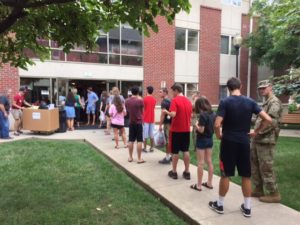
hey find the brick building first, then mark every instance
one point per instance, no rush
(196, 51)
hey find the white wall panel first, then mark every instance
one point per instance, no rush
(90, 71)
(186, 66)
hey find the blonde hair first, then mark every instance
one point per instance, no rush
(115, 91)
(74, 91)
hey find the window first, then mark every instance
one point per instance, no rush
(114, 40)
(232, 2)
(131, 42)
(180, 39)
(227, 45)
(232, 51)
(192, 40)
(224, 44)
(189, 89)
(186, 39)
(223, 91)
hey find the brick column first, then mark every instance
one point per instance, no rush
(159, 57)
(254, 68)
(9, 78)
(209, 54)
(244, 53)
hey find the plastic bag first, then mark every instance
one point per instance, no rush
(102, 116)
(159, 138)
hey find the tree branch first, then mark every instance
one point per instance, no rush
(11, 19)
(46, 2)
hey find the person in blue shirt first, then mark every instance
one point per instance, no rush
(92, 98)
(234, 116)
(4, 112)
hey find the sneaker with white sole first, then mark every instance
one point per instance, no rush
(246, 212)
(214, 206)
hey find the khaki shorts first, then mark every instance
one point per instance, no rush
(17, 114)
(167, 131)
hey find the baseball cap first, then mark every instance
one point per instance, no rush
(264, 84)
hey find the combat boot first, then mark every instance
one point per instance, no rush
(257, 192)
(271, 198)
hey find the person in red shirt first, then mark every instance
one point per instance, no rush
(181, 112)
(148, 128)
(17, 108)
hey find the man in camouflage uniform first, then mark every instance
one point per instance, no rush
(263, 148)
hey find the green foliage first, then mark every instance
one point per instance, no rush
(288, 84)
(73, 23)
(276, 42)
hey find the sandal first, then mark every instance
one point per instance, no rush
(151, 150)
(142, 161)
(116, 147)
(206, 185)
(195, 187)
(130, 160)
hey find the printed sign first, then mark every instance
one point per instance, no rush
(36, 116)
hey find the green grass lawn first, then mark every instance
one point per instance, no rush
(287, 167)
(69, 183)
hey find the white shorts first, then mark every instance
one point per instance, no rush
(148, 130)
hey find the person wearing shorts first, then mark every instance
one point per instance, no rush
(204, 129)
(91, 105)
(117, 112)
(148, 128)
(17, 107)
(165, 121)
(234, 114)
(135, 106)
(181, 112)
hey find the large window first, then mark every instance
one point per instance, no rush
(120, 46)
(227, 45)
(186, 39)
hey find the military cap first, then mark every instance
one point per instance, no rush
(264, 83)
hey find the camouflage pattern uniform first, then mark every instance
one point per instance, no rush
(263, 148)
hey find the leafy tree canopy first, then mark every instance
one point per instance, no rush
(276, 42)
(288, 84)
(72, 22)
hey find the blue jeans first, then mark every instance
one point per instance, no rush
(4, 126)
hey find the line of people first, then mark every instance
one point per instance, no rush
(231, 124)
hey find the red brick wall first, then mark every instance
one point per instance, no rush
(254, 69)
(209, 66)
(9, 78)
(245, 29)
(159, 57)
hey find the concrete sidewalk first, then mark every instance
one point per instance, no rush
(190, 204)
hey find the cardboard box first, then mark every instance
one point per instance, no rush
(41, 120)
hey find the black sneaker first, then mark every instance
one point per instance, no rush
(144, 150)
(186, 175)
(214, 206)
(246, 212)
(165, 161)
(173, 175)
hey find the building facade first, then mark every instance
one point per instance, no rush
(196, 51)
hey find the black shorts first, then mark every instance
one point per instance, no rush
(135, 132)
(234, 154)
(180, 141)
(119, 127)
(77, 113)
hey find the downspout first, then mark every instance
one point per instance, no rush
(249, 56)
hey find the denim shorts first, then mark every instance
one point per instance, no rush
(148, 130)
(204, 143)
(90, 109)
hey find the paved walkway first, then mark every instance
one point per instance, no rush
(192, 205)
